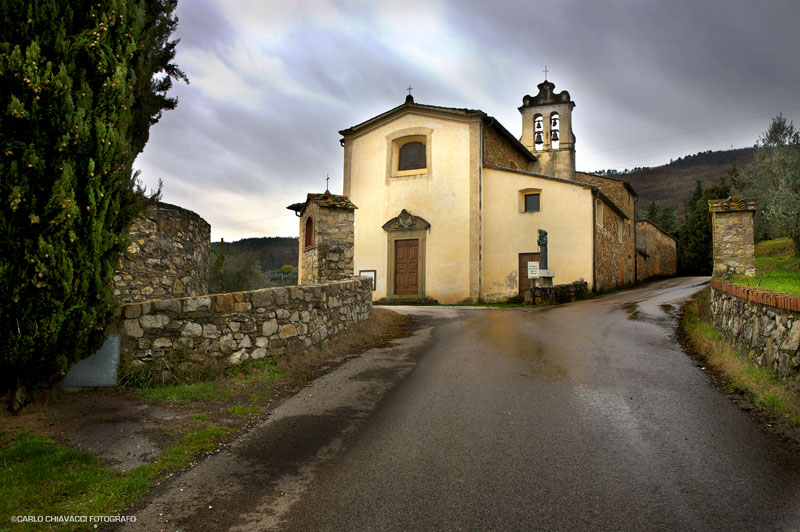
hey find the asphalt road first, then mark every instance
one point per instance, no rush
(586, 416)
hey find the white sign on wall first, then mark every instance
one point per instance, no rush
(533, 269)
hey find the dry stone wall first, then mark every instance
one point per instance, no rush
(242, 325)
(765, 324)
(168, 256)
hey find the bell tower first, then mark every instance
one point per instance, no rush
(547, 130)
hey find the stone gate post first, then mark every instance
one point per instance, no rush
(732, 231)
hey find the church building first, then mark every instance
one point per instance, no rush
(450, 203)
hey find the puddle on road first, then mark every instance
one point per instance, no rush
(651, 312)
(508, 340)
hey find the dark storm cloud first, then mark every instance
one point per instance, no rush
(672, 66)
(273, 83)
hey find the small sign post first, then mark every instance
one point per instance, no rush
(533, 269)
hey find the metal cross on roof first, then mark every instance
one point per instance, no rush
(327, 178)
(545, 72)
(409, 89)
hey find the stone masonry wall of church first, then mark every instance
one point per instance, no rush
(615, 264)
(612, 188)
(230, 328)
(498, 152)
(168, 256)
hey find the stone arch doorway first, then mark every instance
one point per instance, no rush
(405, 264)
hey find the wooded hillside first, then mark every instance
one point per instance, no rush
(672, 184)
(272, 252)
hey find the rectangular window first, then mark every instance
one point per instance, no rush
(620, 230)
(531, 202)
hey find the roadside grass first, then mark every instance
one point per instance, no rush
(762, 385)
(217, 390)
(777, 269)
(40, 477)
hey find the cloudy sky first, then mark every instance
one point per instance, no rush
(273, 81)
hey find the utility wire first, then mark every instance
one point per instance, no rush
(694, 130)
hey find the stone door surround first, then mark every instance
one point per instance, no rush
(406, 226)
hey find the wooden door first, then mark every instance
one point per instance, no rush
(524, 282)
(406, 267)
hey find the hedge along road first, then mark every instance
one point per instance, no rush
(587, 416)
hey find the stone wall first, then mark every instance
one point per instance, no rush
(732, 230)
(497, 151)
(561, 293)
(614, 259)
(657, 251)
(330, 257)
(242, 325)
(765, 324)
(616, 189)
(168, 256)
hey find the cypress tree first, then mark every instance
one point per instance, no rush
(72, 120)
(695, 241)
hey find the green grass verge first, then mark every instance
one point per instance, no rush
(741, 374)
(213, 391)
(39, 477)
(777, 269)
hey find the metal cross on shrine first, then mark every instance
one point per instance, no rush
(409, 89)
(545, 72)
(327, 178)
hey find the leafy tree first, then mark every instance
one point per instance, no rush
(79, 88)
(774, 179)
(241, 272)
(695, 245)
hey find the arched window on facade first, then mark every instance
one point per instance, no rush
(411, 156)
(309, 236)
(555, 134)
(538, 133)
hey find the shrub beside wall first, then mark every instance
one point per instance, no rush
(242, 325)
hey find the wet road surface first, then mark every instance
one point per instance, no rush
(586, 416)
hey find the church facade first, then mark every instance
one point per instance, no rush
(450, 203)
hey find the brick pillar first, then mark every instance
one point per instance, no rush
(732, 230)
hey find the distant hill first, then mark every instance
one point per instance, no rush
(273, 252)
(672, 184)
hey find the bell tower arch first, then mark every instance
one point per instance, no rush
(547, 130)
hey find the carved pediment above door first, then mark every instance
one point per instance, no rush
(405, 221)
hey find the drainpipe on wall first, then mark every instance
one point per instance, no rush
(480, 213)
(594, 238)
(635, 253)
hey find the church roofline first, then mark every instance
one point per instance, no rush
(491, 121)
(410, 106)
(627, 185)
